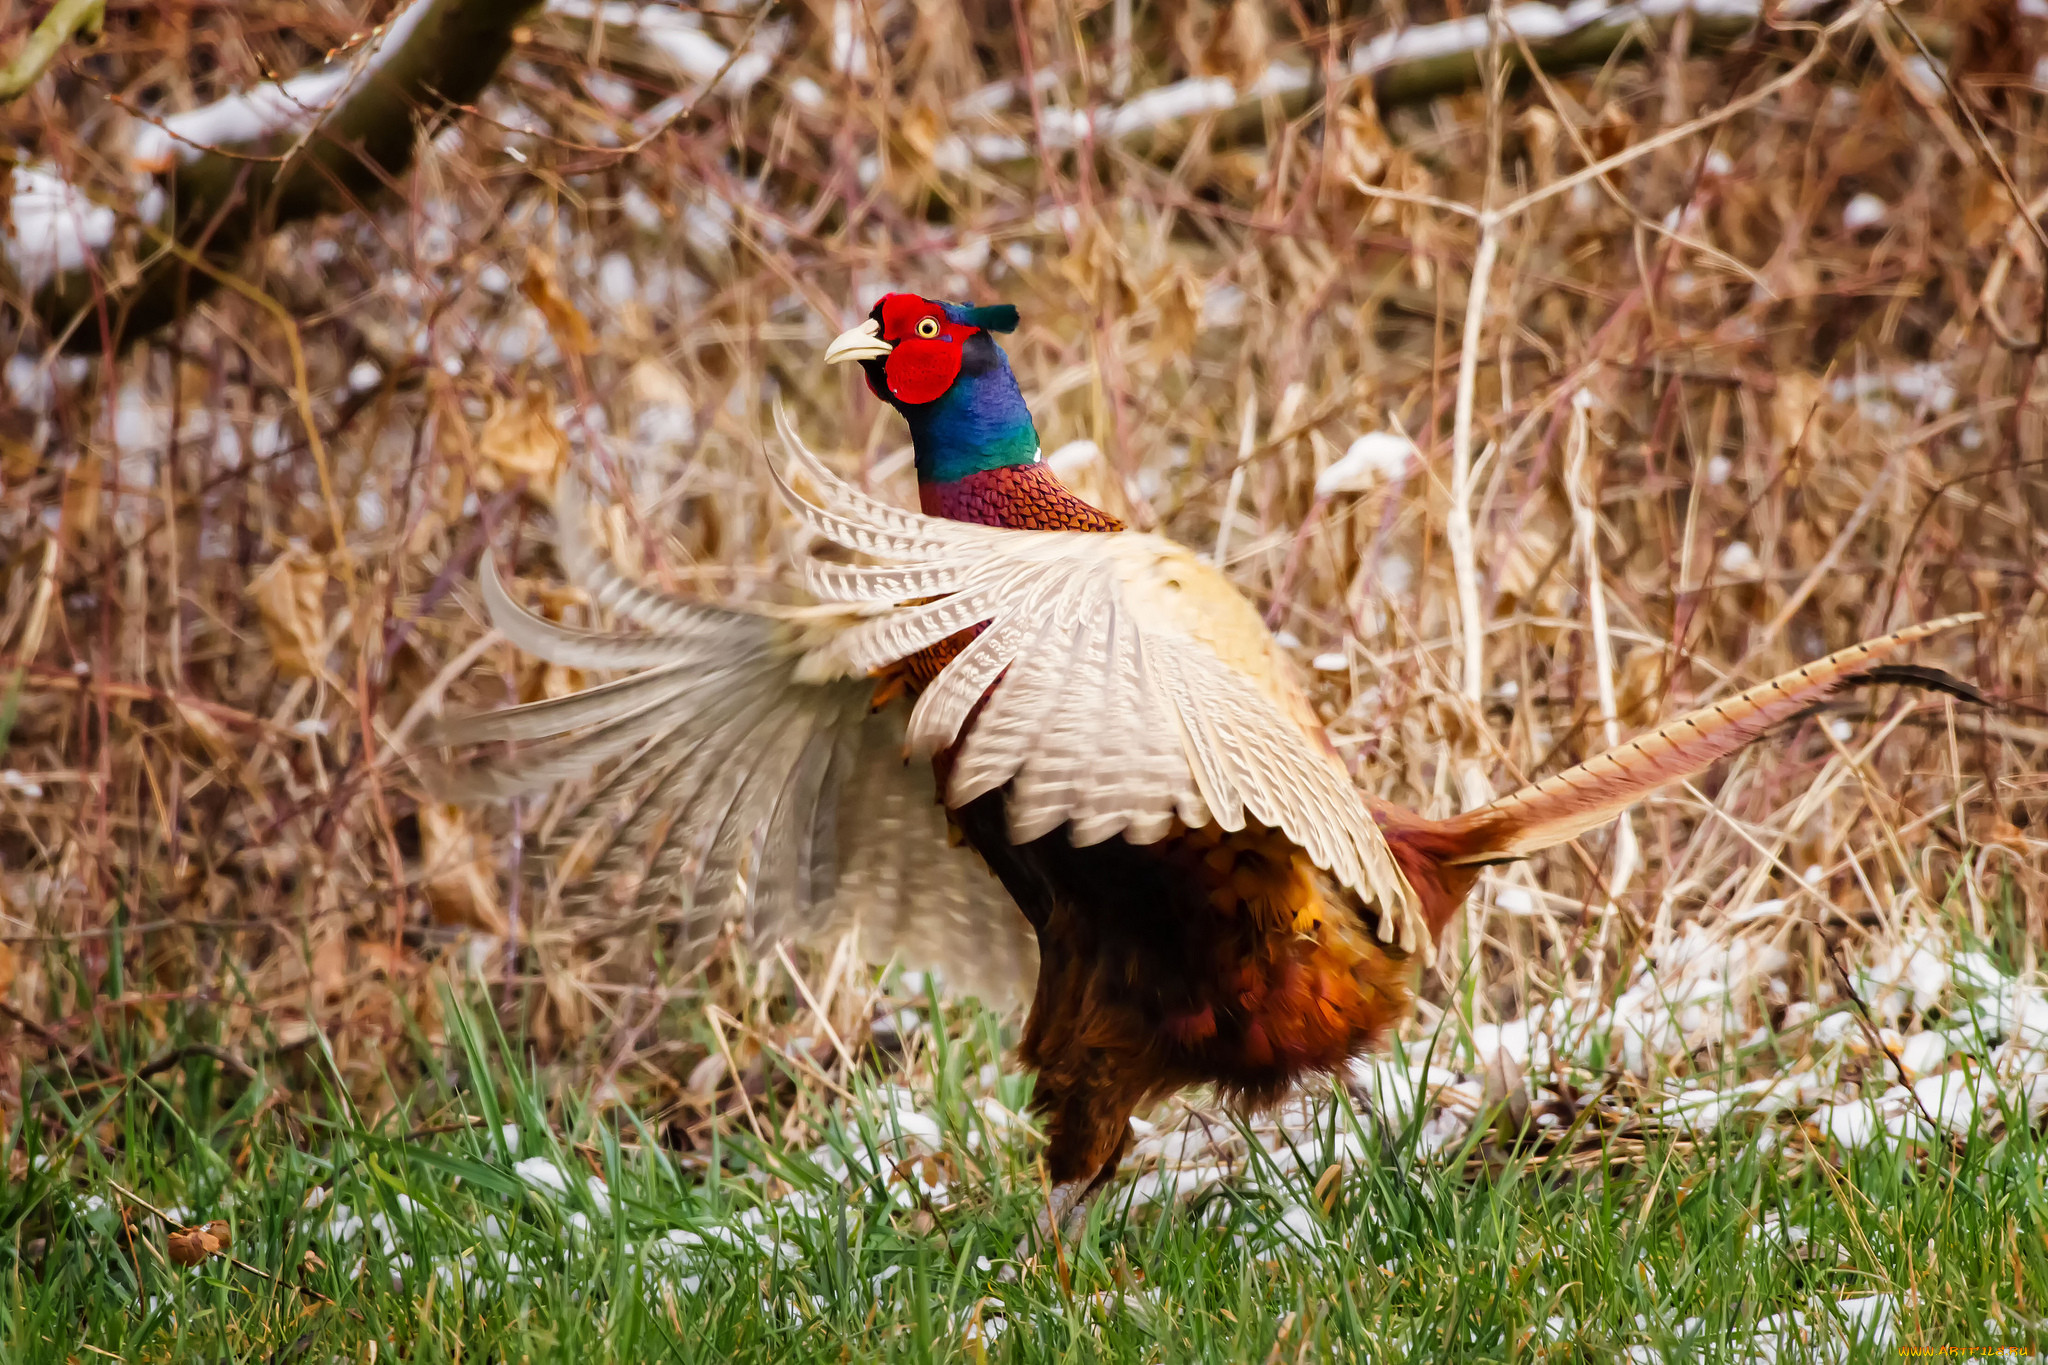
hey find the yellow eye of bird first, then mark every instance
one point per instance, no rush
(927, 328)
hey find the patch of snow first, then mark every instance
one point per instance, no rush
(12, 780)
(616, 283)
(1926, 76)
(541, 1173)
(680, 38)
(30, 383)
(1854, 1123)
(1069, 460)
(1176, 100)
(1374, 458)
(1222, 305)
(1866, 210)
(1514, 900)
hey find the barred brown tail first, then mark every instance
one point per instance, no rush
(1568, 804)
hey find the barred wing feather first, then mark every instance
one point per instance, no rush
(742, 793)
(1127, 682)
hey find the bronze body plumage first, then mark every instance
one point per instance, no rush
(1107, 727)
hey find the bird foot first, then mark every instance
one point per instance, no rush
(1064, 1218)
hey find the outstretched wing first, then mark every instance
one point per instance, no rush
(742, 793)
(1121, 682)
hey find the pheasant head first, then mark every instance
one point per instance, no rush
(939, 365)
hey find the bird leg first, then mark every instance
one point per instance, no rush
(1065, 1215)
(1090, 1129)
(1066, 1211)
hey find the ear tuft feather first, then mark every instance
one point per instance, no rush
(995, 317)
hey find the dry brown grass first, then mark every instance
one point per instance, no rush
(1796, 432)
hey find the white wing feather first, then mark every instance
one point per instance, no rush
(1126, 682)
(745, 793)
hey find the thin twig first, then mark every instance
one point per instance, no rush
(1864, 1017)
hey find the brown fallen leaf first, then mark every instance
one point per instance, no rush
(1239, 45)
(1614, 128)
(653, 382)
(192, 1246)
(1177, 294)
(290, 601)
(543, 286)
(1641, 685)
(459, 882)
(210, 733)
(520, 439)
(81, 501)
(922, 127)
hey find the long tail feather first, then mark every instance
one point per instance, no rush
(1564, 806)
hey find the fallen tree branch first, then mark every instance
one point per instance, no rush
(1408, 66)
(68, 18)
(214, 179)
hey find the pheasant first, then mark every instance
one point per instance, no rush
(1026, 747)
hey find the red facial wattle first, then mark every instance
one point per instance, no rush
(921, 367)
(919, 371)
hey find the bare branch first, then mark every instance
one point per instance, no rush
(67, 18)
(236, 170)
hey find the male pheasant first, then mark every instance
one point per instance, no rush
(1096, 714)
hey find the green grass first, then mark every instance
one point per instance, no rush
(1647, 1244)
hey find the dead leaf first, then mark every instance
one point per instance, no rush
(1178, 296)
(1524, 584)
(6, 969)
(549, 682)
(396, 964)
(221, 1233)
(922, 126)
(1641, 685)
(520, 439)
(1327, 1185)
(654, 382)
(18, 458)
(461, 888)
(1097, 269)
(543, 287)
(1614, 128)
(1505, 1085)
(1362, 142)
(1541, 132)
(192, 1246)
(329, 968)
(1986, 213)
(81, 502)
(1239, 44)
(705, 1078)
(290, 601)
(310, 1263)
(212, 735)
(1796, 416)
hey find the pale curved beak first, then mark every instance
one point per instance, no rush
(858, 343)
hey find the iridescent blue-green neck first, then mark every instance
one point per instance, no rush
(979, 423)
